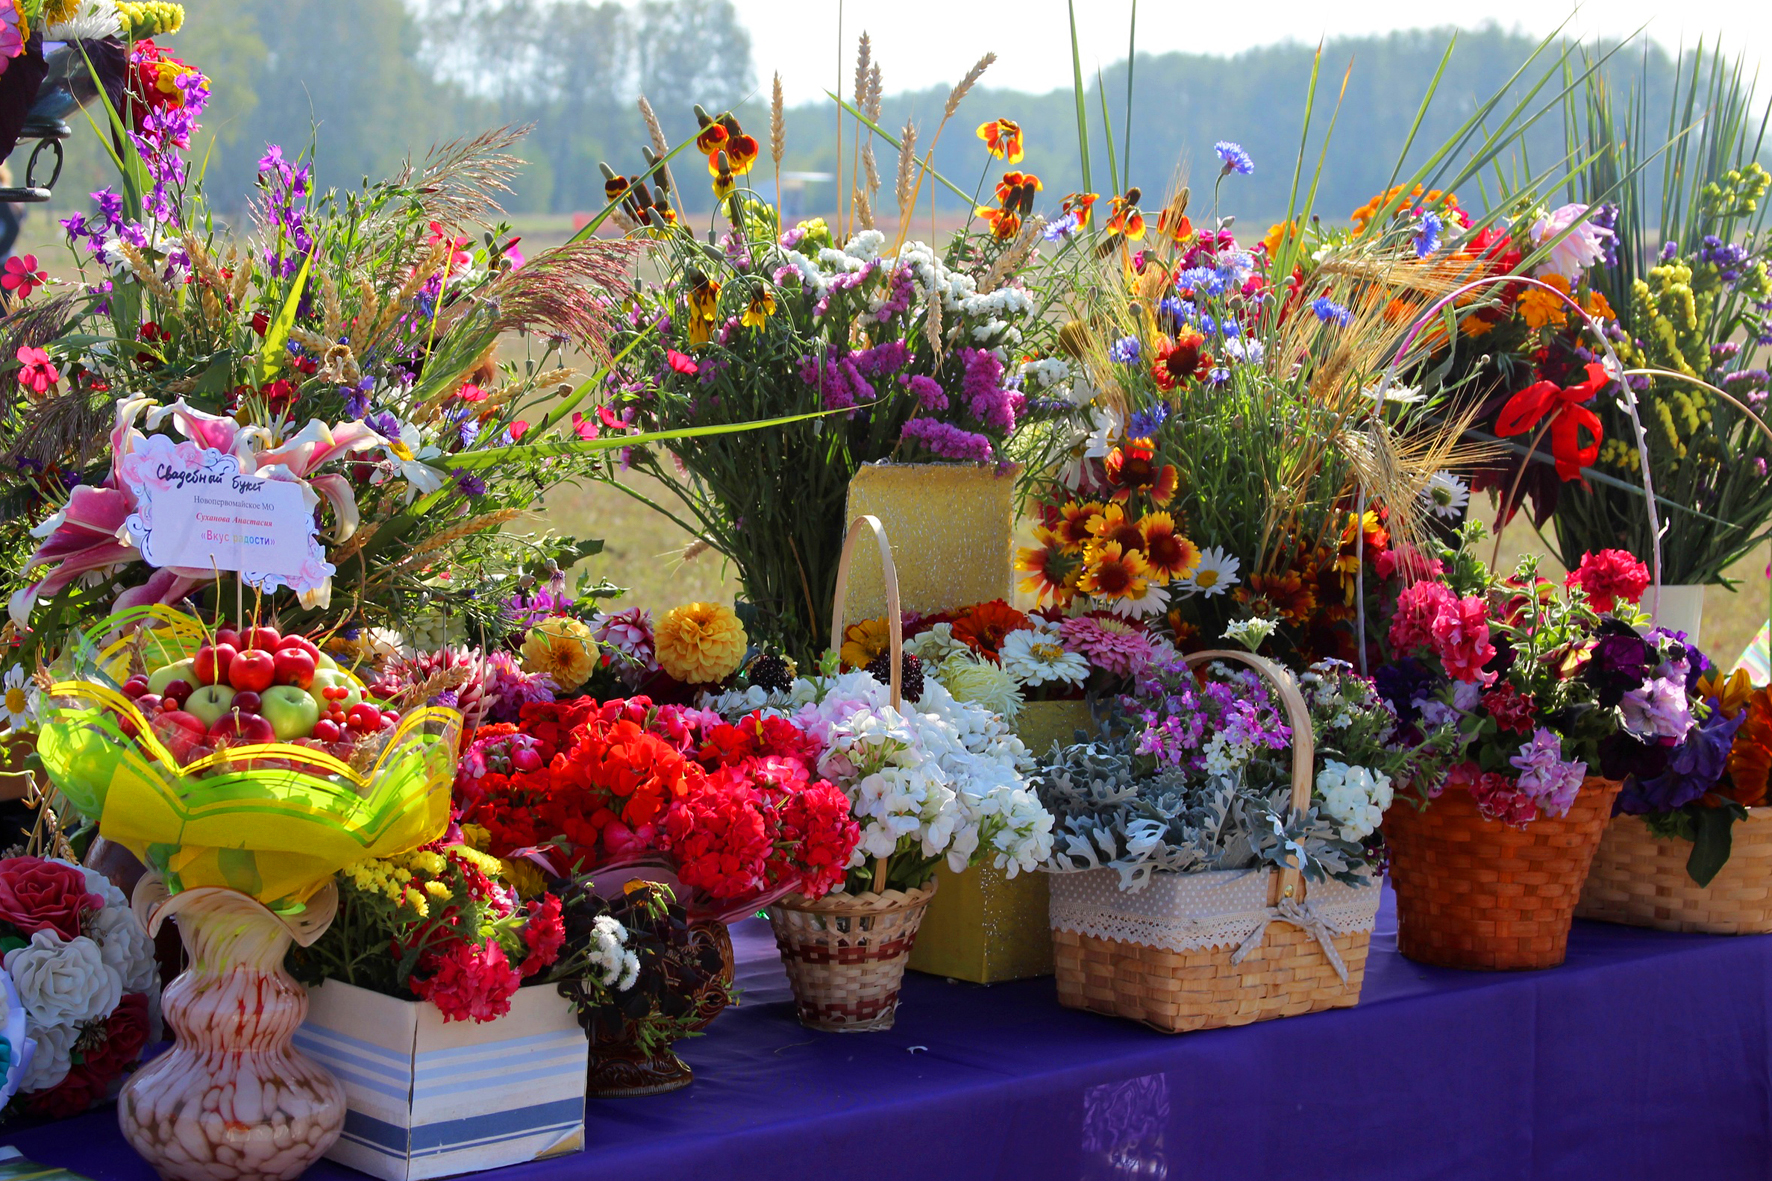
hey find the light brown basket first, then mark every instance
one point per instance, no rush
(1641, 881)
(1476, 893)
(1175, 991)
(846, 953)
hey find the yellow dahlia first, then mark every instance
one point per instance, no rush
(700, 643)
(562, 648)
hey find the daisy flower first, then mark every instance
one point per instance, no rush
(1215, 573)
(1154, 601)
(1446, 495)
(18, 698)
(1034, 658)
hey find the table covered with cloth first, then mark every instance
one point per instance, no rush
(1647, 1055)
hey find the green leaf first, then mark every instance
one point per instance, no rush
(521, 451)
(1082, 109)
(277, 335)
(218, 378)
(1710, 844)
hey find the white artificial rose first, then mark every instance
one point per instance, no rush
(64, 983)
(52, 1060)
(126, 947)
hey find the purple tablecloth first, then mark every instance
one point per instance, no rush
(1646, 1055)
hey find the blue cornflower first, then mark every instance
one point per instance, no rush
(1124, 351)
(1200, 279)
(1064, 227)
(1218, 376)
(384, 424)
(1181, 310)
(1427, 238)
(1329, 311)
(1209, 325)
(1229, 327)
(1144, 424)
(469, 483)
(1234, 157)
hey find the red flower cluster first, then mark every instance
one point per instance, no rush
(736, 811)
(1429, 615)
(1608, 576)
(88, 1082)
(1498, 797)
(468, 981)
(1511, 709)
(544, 934)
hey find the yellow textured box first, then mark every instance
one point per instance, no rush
(952, 528)
(981, 926)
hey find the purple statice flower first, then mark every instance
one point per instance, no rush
(1694, 768)
(840, 384)
(737, 251)
(883, 359)
(900, 289)
(1727, 258)
(1670, 251)
(1234, 157)
(947, 440)
(1328, 311)
(471, 485)
(1427, 238)
(1545, 778)
(982, 387)
(927, 391)
(1605, 217)
(1658, 709)
(1124, 351)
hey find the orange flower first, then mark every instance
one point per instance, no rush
(1002, 139)
(1474, 326)
(711, 139)
(1175, 225)
(1109, 572)
(1540, 308)
(1004, 223)
(1080, 204)
(1750, 758)
(1181, 358)
(1132, 467)
(1278, 233)
(1073, 529)
(1285, 596)
(1446, 202)
(1113, 525)
(1124, 217)
(1016, 191)
(1049, 570)
(983, 627)
(1168, 553)
(741, 153)
(1730, 692)
(704, 306)
(1597, 307)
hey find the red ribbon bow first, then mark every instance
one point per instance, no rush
(1570, 417)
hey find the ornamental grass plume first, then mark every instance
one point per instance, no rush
(562, 649)
(700, 643)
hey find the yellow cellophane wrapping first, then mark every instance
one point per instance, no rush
(952, 528)
(275, 821)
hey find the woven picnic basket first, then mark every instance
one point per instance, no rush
(1477, 893)
(845, 954)
(1640, 880)
(1202, 950)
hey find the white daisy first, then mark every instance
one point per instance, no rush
(1154, 601)
(1034, 658)
(1216, 573)
(18, 698)
(1446, 495)
(408, 453)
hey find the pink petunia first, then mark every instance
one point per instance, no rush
(21, 275)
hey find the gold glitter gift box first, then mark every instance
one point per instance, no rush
(952, 529)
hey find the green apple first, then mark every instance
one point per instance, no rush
(210, 702)
(335, 678)
(183, 670)
(325, 661)
(292, 712)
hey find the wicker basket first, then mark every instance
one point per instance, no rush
(846, 953)
(1641, 881)
(1476, 893)
(1172, 960)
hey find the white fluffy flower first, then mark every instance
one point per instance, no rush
(866, 245)
(1446, 495)
(1034, 658)
(935, 645)
(51, 1061)
(89, 20)
(970, 678)
(1046, 372)
(64, 983)
(608, 953)
(122, 941)
(1251, 633)
(1355, 797)
(18, 698)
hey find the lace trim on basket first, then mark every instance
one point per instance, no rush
(1190, 912)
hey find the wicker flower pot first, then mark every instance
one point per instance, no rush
(846, 954)
(1641, 881)
(1475, 893)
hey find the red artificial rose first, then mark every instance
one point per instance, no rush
(36, 895)
(80, 1091)
(126, 1034)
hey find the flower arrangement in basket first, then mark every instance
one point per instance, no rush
(79, 990)
(1530, 682)
(1216, 858)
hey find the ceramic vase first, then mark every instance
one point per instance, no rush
(232, 1100)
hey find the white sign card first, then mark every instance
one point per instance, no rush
(197, 510)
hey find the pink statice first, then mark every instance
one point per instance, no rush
(1417, 606)
(1116, 648)
(1545, 778)
(1461, 638)
(947, 440)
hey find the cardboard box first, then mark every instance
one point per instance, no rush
(429, 1099)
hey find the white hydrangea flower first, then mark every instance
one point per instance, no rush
(1355, 797)
(935, 645)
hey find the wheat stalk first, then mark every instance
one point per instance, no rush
(156, 286)
(660, 144)
(1018, 253)
(453, 534)
(421, 274)
(368, 306)
(357, 541)
(965, 84)
(334, 312)
(778, 127)
(932, 321)
(907, 161)
(864, 212)
(242, 280)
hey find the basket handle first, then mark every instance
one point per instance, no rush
(894, 626)
(1290, 881)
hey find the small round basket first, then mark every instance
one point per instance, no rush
(846, 954)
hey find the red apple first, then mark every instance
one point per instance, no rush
(266, 638)
(135, 686)
(177, 691)
(213, 663)
(254, 669)
(179, 732)
(364, 717)
(229, 636)
(240, 729)
(197, 753)
(246, 701)
(301, 642)
(294, 666)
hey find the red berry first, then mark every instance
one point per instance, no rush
(135, 686)
(326, 730)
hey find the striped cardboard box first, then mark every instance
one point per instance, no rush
(429, 1099)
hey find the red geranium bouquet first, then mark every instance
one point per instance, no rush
(737, 812)
(79, 990)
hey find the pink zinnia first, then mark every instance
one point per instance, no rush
(1115, 647)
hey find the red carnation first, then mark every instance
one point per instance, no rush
(36, 895)
(1608, 576)
(469, 982)
(544, 934)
